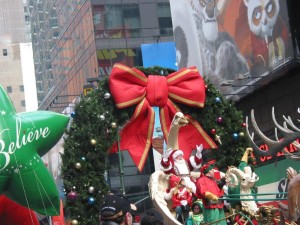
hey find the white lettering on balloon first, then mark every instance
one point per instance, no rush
(20, 141)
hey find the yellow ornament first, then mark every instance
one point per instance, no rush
(74, 222)
(93, 142)
(78, 166)
(113, 125)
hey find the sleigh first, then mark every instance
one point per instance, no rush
(285, 214)
(158, 185)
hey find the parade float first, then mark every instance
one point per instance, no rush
(273, 202)
(121, 110)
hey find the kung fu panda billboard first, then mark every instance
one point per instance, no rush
(239, 45)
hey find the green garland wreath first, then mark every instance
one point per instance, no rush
(92, 133)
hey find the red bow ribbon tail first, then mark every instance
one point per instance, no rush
(136, 136)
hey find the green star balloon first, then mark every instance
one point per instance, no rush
(24, 138)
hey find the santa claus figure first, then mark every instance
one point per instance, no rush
(173, 162)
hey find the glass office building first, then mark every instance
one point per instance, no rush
(74, 41)
(16, 55)
(77, 41)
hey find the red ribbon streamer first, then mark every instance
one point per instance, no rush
(130, 86)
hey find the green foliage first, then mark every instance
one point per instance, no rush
(232, 148)
(88, 124)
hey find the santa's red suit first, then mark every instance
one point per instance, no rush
(181, 168)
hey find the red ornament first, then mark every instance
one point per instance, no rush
(220, 119)
(137, 219)
(213, 131)
(243, 124)
(72, 195)
(206, 87)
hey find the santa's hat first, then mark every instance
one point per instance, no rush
(176, 153)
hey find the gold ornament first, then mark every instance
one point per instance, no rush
(113, 125)
(78, 165)
(241, 134)
(74, 222)
(218, 139)
(93, 142)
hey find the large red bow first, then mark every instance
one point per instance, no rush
(129, 86)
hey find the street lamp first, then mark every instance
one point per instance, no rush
(114, 125)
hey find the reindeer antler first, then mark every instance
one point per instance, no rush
(289, 136)
(294, 156)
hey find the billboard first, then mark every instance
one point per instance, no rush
(273, 179)
(238, 45)
(108, 57)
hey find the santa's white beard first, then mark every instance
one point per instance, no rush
(180, 161)
(181, 167)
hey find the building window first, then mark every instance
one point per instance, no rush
(122, 20)
(4, 52)
(113, 17)
(131, 17)
(53, 22)
(164, 19)
(22, 88)
(55, 34)
(23, 103)
(9, 89)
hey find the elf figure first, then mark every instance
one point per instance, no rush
(209, 190)
(196, 218)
